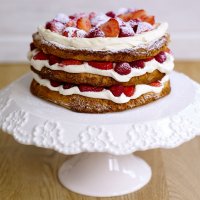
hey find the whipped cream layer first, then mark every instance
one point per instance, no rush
(100, 43)
(150, 66)
(105, 93)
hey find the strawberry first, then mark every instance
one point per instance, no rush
(143, 27)
(61, 18)
(74, 32)
(55, 26)
(132, 15)
(101, 65)
(111, 14)
(70, 23)
(161, 57)
(111, 28)
(70, 62)
(88, 88)
(134, 24)
(138, 64)
(129, 91)
(117, 90)
(149, 19)
(95, 32)
(155, 84)
(148, 59)
(126, 31)
(123, 68)
(54, 59)
(67, 85)
(55, 83)
(40, 56)
(83, 23)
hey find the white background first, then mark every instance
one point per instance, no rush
(20, 18)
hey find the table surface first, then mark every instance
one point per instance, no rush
(30, 173)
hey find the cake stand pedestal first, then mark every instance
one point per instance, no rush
(105, 165)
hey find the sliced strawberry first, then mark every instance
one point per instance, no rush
(143, 27)
(111, 14)
(149, 19)
(55, 26)
(95, 32)
(101, 65)
(54, 59)
(111, 28)
(132, 15)
(40, 56)
(123, 68)
(129, 91)
(70, 62)
(88, 88)
(138, 64)
(126, 31)
(161, 57)
(67, 85)
(55, 83)
(156, 84)
(117, 90)
(83, 23)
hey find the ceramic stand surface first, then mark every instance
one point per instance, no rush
(109, 168)
(103, 175)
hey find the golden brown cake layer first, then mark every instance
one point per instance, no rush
(83, 104)
(128, 55)
(96, 80)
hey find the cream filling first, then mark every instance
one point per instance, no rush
(150, 66)
(103, 44)
(105, 93)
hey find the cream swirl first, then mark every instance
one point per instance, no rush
(103, 44)
(105, 93)
(149, 67)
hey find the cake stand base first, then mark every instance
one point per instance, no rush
(104, 175)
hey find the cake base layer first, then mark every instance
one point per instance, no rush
(127, 55)
(83, 104)
(96, 80)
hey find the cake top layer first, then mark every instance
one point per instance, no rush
(123, 23)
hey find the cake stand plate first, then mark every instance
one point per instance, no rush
(107, 167)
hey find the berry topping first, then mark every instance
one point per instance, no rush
(54, 59)
(138, 64)
(129, 91)
(40, 56)
(92, 15)
(123, 68)
(95, 32)
(70, 62)
(161, 57)
(83, 23)
(55, 26)
(99, 19)
(134, 24)
(111, 14)
(156, 84)
(149, 19)
(88, 88)
(67, 85)
(61, 18)
(101, 65)
(32, 46)
(55, 83)
(111, 28)
(70, 23)
(148, 59)
(117, 90)
(138, 14)
(143, 27)
(126, 31)
(74, 32)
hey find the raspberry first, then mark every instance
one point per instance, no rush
(54, 59)
(95, 32)
(161, 57)
(67, 85)
(126, 31)
(123, 68)
(129, 91)
(111, 14)
(55, 83)
(138, 64)
(117, 90)
(101, 65)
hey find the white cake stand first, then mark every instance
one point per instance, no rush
(106, 166)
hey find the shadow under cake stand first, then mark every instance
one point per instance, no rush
(105, 165)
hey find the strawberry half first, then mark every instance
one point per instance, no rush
(54, 59)
(156, 84)
(149, 19)
(88, 88)
(129, 91)
(117, 90)
(70, 62)
(55, 83)
(111, 28)
(132, 15)
(101, 65)
(40, 56)
(83, 23)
